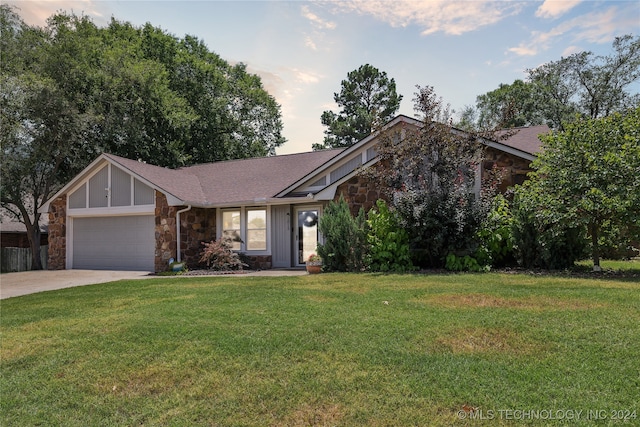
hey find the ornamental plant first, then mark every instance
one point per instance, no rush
(345, 238)
(219, 256)
(314, 259)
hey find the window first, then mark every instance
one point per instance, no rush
(257, 230)
(231, 228)
(246, 227)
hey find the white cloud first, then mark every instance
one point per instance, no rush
(316, 20)
(449, 17)
(306, 77)
(36, 12)
(594, 27)
(308, 42)
(555, 8)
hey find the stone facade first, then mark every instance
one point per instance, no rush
(57, 259)
(514, 169)
(197, 225)
(359, 192)
(165, 232)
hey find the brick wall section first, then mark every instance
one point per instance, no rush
(359, 192)
(514, 168)
(57, 259)
(165, 232)
(196, 226)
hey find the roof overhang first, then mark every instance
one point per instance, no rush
(93, 167)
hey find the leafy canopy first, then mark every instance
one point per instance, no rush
(367, 100)
(71, 91)
(588, 176)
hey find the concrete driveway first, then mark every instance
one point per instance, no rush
(30, 282)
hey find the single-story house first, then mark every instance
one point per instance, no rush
(124, 214)
(13, 234)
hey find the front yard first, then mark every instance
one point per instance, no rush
(330, 349)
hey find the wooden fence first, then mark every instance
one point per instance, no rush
(19, 259)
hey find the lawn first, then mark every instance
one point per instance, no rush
(329, 349)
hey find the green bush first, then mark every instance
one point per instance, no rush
(388, 244)
(542, 239)
(495, 235)
(345, 238)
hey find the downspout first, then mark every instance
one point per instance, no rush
(188, 208)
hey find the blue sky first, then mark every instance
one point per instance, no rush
(304, 49)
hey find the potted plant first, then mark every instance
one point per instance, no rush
(314, 264)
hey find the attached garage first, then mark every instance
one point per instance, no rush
(114, 243)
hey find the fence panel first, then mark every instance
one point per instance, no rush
(19, 259)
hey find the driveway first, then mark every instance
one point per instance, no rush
(30, 282)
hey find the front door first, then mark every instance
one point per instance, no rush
(306, 234)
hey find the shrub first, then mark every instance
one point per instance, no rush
(495, 235)
(388, 243)
(345, 238)
(219, 256)
(541, 238)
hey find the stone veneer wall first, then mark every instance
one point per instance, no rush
(165, 232)
(57, 259)
(197, 225)
(359, 192)
(514, 169)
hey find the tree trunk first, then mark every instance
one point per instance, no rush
(33, 233)
(595, 251)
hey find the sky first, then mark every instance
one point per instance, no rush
(302, 50)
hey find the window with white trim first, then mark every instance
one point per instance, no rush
(231, 228)
(256, 230)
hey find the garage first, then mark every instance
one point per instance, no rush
(114, 243)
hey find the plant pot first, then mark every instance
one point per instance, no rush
(177, 267)
(314, 269)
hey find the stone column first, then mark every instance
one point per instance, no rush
(57, 253)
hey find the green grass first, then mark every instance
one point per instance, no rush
(323, 350)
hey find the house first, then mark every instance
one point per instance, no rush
(124, 214)
(13, 234)
(15, 250)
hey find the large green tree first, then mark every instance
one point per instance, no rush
(368, 99)
(588, 176)
(580, 85)
(71, 90)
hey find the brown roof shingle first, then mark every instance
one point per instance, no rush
(233, 181)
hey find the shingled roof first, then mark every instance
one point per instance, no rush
(525, 138)
(233, 181)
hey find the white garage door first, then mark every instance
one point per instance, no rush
(114, 243)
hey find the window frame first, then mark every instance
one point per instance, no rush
(244, 228)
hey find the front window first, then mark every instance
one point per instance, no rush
(231, 228)
(257, 230)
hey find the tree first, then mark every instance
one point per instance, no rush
(509, 106)
(588, 175)
(367, 100)
(430, 175)
(587, 85)
(580, 85)
(71, 91)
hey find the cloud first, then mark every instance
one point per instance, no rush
(36, 12)
(316, 20)
(555, 8)
(595, 27)
(308, 42)
(446, 16)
